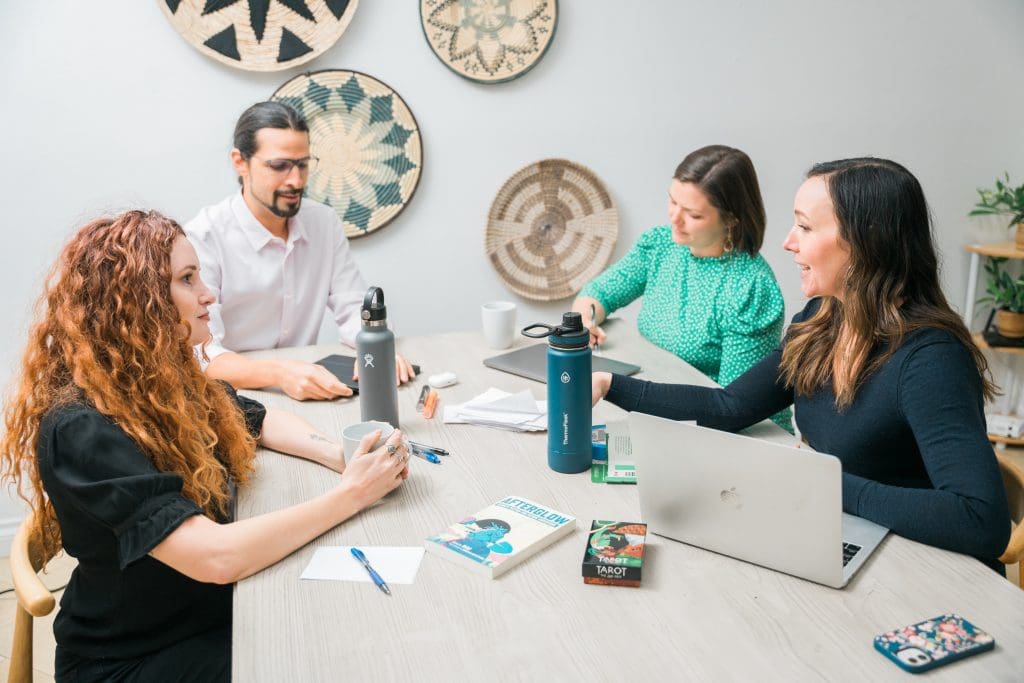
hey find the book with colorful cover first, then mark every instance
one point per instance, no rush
(614, 554)
(500, 536)
(614, 464)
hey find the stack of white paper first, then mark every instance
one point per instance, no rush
(496, 408)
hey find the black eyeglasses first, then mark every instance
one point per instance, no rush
(284, 166)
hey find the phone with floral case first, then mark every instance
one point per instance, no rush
(934, 642)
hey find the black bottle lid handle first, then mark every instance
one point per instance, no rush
(371, 294)
(373, 305)
(548, 330)
(572, 324)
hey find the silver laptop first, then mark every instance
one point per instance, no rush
(772, 505)
(532, 362)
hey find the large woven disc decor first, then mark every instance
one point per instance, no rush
(551, 229)
(489, 41)
(367, 141)
(260, 35)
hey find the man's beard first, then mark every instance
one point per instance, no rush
(286, 211)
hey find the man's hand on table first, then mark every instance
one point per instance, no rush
(403, 370)
(307, 381)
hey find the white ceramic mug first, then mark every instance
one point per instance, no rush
(353, 434)
(499, 319)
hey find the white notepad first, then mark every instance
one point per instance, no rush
(336, 563)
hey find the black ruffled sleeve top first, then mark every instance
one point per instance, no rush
(114, 507)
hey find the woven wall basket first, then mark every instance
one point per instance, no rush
(260, 35)
(367, 141)
(551, 229)
(489, 41)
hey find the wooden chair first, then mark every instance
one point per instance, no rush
(1013, 479)
(34, 599)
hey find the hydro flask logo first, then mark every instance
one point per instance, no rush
(368, 360)
(566, 378)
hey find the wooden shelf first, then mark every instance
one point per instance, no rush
(1006, 249)
(982, 344)
(994, 438)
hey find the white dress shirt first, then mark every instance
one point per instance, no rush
(271, 292)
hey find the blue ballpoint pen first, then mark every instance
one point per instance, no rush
(425, 454)
(358, 554)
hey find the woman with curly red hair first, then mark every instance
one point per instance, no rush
(129, 457)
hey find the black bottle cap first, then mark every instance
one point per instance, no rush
(572, 322)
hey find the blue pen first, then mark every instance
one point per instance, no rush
(435, 449)
(426, 455)
(358, 554)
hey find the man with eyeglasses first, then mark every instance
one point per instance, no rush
(275, 263)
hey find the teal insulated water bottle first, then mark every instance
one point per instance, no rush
(569, 391)
(375, 358)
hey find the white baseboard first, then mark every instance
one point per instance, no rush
(8, 527)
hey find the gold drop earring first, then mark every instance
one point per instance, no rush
(727, 244)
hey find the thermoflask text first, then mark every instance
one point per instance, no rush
(569, 391)
(375, 358)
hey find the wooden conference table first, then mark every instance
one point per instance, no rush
(697, 615)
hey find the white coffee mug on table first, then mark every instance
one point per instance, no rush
(499, 323)
(353, 434)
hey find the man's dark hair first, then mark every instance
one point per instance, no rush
(265, 115)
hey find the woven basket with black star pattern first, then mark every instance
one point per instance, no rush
(260, 35)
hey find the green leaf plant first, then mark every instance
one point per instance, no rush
(1004, 200)
(1004, 292)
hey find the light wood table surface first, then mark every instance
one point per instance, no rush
(697, 615)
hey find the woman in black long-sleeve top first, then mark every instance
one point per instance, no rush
(880, 371)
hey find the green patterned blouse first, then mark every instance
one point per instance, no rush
(720, 314)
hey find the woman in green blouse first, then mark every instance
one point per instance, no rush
(708, 296)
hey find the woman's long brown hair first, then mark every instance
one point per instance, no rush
(108, 334)
(891, 289)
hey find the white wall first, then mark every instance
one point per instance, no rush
(105, 107)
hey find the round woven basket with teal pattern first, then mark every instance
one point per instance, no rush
(489, 41)
(367, 141)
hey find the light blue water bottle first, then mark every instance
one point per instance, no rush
(569, 391)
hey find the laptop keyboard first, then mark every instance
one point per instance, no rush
(849, 550)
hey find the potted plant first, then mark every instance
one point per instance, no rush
(1007, 294)
(1004, 200)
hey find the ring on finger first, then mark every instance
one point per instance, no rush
(392, 449)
